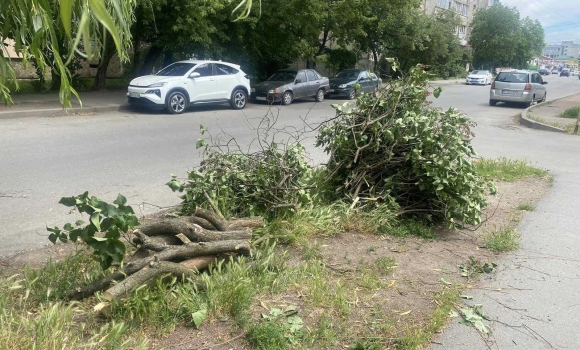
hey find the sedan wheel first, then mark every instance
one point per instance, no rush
(176, 103)
(239, 99)
(287, 99)
(352, 94)
(320, 96)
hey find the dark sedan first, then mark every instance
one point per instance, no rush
(544, 72)
(286, 85)
(343, 84)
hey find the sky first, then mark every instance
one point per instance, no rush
(560, 18)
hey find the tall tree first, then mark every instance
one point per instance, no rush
(500, 38)
(32, 26)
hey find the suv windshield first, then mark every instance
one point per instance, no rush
(348, 74)
(283, 75)
(176, 70)
(509, 77)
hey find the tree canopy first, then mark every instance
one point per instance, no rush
(499, 37)
(262, 36)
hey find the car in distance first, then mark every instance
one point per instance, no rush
(554, 70)
(349, 82)
(544, 72)
(184, 83)
(286, 85)
(479, 77)
(565, 72)
(518, 86)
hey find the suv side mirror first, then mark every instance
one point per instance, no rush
(194, 75)
(298, 81)
(544, 82)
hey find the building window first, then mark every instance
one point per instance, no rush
(461, 8)
(442, 3)
(462, 29)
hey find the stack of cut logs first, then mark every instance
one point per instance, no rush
(180, 246)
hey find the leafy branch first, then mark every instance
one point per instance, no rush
(103, 231)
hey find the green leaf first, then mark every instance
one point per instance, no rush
(68, 201)
(445, 281)
(198, 317)
(79, 222)
(437, 92)
(52, 237)
(121, 200)
(95, 220)
(66, 15)
(68, 227)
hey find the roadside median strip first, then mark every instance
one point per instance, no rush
(537, 122)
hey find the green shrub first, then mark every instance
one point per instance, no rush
(271, 182)
(395, 148)
(571, 112)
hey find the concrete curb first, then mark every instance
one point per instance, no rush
(56, 112)
(524, 120)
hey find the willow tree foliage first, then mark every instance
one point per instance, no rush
(87, 25)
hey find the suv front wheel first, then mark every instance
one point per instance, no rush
(176, 102)
(239, 99)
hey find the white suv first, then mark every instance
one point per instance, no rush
(183, 83)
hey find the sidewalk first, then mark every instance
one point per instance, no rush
(48, 104)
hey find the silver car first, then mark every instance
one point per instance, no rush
(518, 86)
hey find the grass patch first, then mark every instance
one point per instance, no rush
(526, 207)
(24, 324)
(508, 170)
(412, 227)
(386, 265)
(505, 239)
(54, 280)
(227, 292)
(415, 339)
(573, 112)
(267, 335)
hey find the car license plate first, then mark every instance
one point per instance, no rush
(135, 94)
(260, 98)
(331, 90)
(507, 92)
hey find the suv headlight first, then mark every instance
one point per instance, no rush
(275, 91)
(157, 85)
(342, 86)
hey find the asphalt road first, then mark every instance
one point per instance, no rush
(43, 159)
(133, 153)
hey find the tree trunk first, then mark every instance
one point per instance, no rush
(376, 61)
(138, 28)
(152, 56)
(108, 52)
(164, 253)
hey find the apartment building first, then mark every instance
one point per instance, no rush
(566, 48)
(464, 8)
